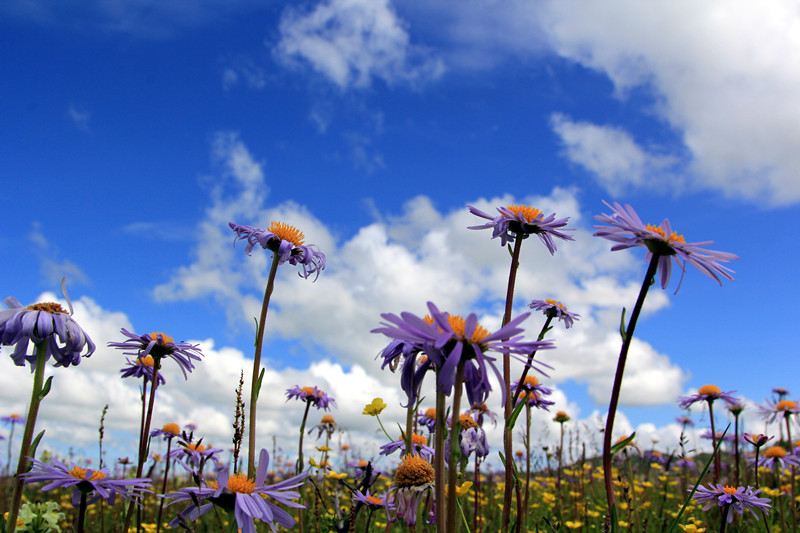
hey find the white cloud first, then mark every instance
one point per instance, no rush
(243, 69)
(352, 42)
(79, 117)
(614, 157)
(51, 265)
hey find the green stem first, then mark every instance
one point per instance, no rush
(508, 436)
(717, 462)
(300, 466)
(254, 384)
(617, 387)
(82, 512)
(27, 436)
(409, 449)
(438, 458)
(455, 448)
(163, 487)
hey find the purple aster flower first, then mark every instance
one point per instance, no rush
(533, 392)
(168, 431)
(731, 499)
(313, 395)
(412, 479)
(757, 439)
(43, 323)
(415, 366)
(778, 410)
(729, 437)
(13, 419)
(684, 421)
(521, 221)
(373, 502)
(555, 309)
(141, 367)
(428, 419)
(627, 230)
(92, 482)
(286, 242)
(160, 345)
(419, 443)
(244, 496)
(481, 411)
(776, 455)
(193, 456)
(451, 338)
(471, 438)
(708, 393)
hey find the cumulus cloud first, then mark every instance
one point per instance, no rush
(613, 157)
(352, 42)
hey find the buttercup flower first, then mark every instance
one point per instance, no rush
(628, 231)
(160, 345)
(141, 367)
(555, 309)
(375, 408)
(43, 322)
(93, 482)
(708, 393)
(313, 395)
(451, 338)
(737, 499)
(286, 242)
(245, 497)
(522, 221)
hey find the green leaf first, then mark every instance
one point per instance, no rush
(34, 445)
(514, 415)
(621, 444)
(622, 326)
(258, 382)
(45, 388)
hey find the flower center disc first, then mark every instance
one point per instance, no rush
(458, 324)
(286, 232)
(241, 484)
(47, 307)
(413, 471)
(530, 213)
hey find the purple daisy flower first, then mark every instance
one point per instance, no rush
(521, 221)
(776, 455)
(412, 479)
(141, 367)
(419, 443)
(43, 322)
(708, 393)
(684, 421)
(428, 419)
(168, 431)
(313, 395)
(778, 410)
(471, 438)
(555, 309)
(92, 482)
(373, 502)
(13, 419)
(626, 228)
(160, 345)
(415, 366)
(736, 499)
(533, 392)
(194, 456)
(481, 411)
(245, 497)
(286, 242)
(451, 338)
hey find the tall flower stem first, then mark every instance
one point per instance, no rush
(717, 461)
(438, 458)
(508, 407)
(455, 448)
(144, 441)
(27, 436)
(617, 387)
(82, 512)
(255, 384)
(736, 447)
(524, 519)
(300, 463)
(163, 487)
(794, 469)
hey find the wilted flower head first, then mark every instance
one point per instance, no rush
(43, 323)
(555, 309)
(479, 411)
(412, 478)
(736, 499)
(286, 242)
(628, 231)
(521, 221)
(313, 395)
(758, 440)
(708, 393)
(160, 345)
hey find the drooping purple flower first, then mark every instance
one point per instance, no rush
(412, 479)
(92, 482)
(141, 367)
(521, 221)
(415, 366)
(738, 499)
(43, 323)
(757, 439)
(471, 438)
(313, 395)
(708, 393)
(555, 309)
(533, 392)
(628, 231)
(481, 411)
(243, 496)
(160, 345)
(286, 242)
(451, 338)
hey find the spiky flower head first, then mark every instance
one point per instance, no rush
(160, 345)
(521, 221)
(287, 242)
(555, 309)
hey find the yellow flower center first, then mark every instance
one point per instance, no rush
(327, 419)
(561, 416)
(362, 464)
(309, 391)
(785, 405)
(147, 360)
(172, 427)
(467, 422)
(373, 500)
(241, 484)
(708, 390)
(418, 440)
(15, 415)
(531, 381)
(413, 471)
(530, 213)
(285, 232)
(729, 490)
(458, 323)
(672, 238)
(195, 447)
(775, 452)
(431, 413)
(556, 303)
(80, 473)
(47, 307)
(165, 339)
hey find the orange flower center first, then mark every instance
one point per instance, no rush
(458, 324)
(729, 490)
(165, 339)
(672, 238)
(195, 447)
(531, 381)
(80, 473)
(530, 213)
(285, 232)
(147, 360)
(431, 413)
(373, 500)
(467, 422)
(172, 427)
(363, 464)
(775, 452)
(47, 307)
(708, 390)
(327, 419)
(309, 391)
(413, 471)
(785, 405)
(241, 484)
(418, 440)
(556, 303)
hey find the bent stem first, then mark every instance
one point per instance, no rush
(255, 384)
(27, 436)
(612, 407)
(509, 407)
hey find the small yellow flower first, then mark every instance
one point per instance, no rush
(336, 475)
(691, 528)
(374, 408)
(573, 525)
(323, 449)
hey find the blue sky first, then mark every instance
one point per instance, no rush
(133, 132)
